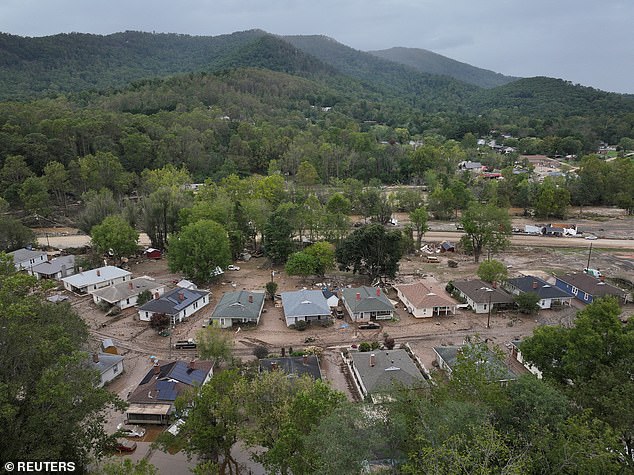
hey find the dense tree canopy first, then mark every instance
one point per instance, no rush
(198, 249)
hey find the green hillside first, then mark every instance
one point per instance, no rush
(432, 63)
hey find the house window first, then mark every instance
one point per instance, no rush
(585, 296)
(575, 291)
(127, 301)
(115, 370)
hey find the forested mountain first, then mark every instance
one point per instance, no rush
(71, 63)
(432, 63)
(552, 97)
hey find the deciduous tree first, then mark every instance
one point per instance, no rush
(485, 227)
(115, 235)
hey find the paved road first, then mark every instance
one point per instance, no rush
(541, 241)
(79, 240)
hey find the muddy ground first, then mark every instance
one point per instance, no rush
(539, 256)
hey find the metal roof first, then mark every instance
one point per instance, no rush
(95, 276)
(22, 255)
(54, 266)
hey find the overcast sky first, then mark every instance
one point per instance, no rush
(589, 42)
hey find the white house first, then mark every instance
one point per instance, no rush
(87, 281)
(57, 268)
(549, 295)
(238, 307)
(305, 305)
(126, 294)
(178, 304)
(480, 295)
(422, 302)
(109, 366)
(517, 354)
(25, 259)
(367, 303)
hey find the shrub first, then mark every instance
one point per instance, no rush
(301, 325)
(260, 352)
(365, 346)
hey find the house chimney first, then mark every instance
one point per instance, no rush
(181, 296)
(156, 295)
(131, 285)
(250, 298)
(191, 365)
(273, 365)
(602, 278)
(535, 284)
(305, 360)
(494, 284)
(98, 273)
(95, 357)
(372, 360)
(378, 292)
(157, 368)
(358, 296)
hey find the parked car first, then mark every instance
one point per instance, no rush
(591, 237)
(369, 326)
(232, 267)
(130, 430)
(185, 344)
(125, 445)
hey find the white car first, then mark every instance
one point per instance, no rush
(591, 237)
(232, 267)
(130, 430)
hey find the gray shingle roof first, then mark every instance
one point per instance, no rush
(475, 290)
(390, 366)
(54, 266)
(294, 365)
(237, 305)
(304, 303)
(591, 285)
(496, 369)
(22, 255)
(170, 303)
(543, 289)
(123, 290)
(368, 301)
(106, 361)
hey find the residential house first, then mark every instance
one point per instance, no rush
(517, 354)
(293, 365)
(331, 297)
(108, 346)
(57, 268)
(586, 288)
(448, 356)
(109, 366)
(87, 281)
(186, 284)
(475, 167)
(178, 304)
(378, 372)
(306, 305)
(549, 295)
(238, 308)
(126, 294)
(421, 301)
(152, 402)
(25, 259)
(479, 295)
(367, 303)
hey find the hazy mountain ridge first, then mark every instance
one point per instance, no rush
(433, 63)
(72, 63)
